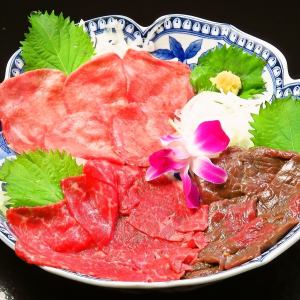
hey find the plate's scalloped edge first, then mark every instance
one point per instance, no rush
(275, 50)
(285, 82)
(286, 242)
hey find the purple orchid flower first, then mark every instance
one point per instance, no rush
(190, 156)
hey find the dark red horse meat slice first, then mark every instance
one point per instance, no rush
(160, 85)
(248, 214)
(163, 199)
(51, 225)
(29, 104)
(94, 204)
(101, 80)
(253, 239)
(249, 172)
(136, 134)
(229, 216)
(294, 206)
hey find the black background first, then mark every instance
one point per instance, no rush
(278, 24)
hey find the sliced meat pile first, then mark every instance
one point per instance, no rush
(259, 203)
(113, 224)
(110, 107)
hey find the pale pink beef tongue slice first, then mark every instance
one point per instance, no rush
(162, 86)
(109, 108)
(91, 95)
(156, 89)
(29, 105)
(136, 134)
(97, 82)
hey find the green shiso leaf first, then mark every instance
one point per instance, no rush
(55, 42)
(278, 125)
(248, 67)
(33, 178)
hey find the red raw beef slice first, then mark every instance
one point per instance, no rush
(29, 104)
(50, 225)
(133, 247)
(162, 212)
(93, 263)
(95, 243)
(42, 233)
(94, 204)
(124, 178)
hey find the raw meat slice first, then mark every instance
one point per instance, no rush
(102, 170)
(136, 134)
(128, 176)
(253, 239)
(88, 263)
(51, 225)
(101, 80)
(126, 179)
(163, 199)
(132, 191)
(92, 263)
(189, 220)
(32, 89)
(160, 85)
(29, 105)
(133, 247)
(294, 206)
(46, 109)
(199, 240)
(83, 135)
(249, 172)
(23, 131)
(165, 262)
(227, 217)
(94, 204)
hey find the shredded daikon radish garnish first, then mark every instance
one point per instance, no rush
(113, 39)
(233, 112)
(3, 201)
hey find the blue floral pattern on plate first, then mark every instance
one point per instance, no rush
(176, 50)
(182, 38)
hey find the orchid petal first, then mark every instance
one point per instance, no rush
(156, 158)
(162, 162)
(204, 168)
(169, 138)
(210, 138)
(176, 144)
(192, 195)
(153, 173)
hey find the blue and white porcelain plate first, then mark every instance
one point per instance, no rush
(182, 38)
